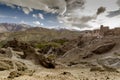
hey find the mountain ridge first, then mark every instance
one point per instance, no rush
(12, 27)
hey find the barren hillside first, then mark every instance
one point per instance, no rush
(39, 53)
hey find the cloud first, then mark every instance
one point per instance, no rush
(77, 21)
(75, 27)
(38, 16)
(81, 21)
(34, 15)
(81, 26)
(58, 6)
(46, 5)
(74, 4)
(12, 6)
(61, 7)
(74, 13)
(118, 2)
(113, 13)
(26, 10)
(37, 23)
(23, 22)
(90, 10)
(101, 10)
(86, 19)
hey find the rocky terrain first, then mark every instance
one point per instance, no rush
(61, 56)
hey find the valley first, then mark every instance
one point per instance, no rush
(47, 54)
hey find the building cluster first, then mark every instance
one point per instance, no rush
(103, 31)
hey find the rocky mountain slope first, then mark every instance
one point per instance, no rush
(82, 51)
(28, 53)
(6, 27)
(91, 55)
(39, 34)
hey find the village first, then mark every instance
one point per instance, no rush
(103, 31)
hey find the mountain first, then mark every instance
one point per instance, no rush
(6, 27)
(26, 53)
(68, 48)
(38, 34)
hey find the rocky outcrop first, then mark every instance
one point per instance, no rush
(29, 53)
(10, 60)
(18, 45)
(46, 61)
(15, 74)
(104, 48)
(110, 63)
(27, 49)
(7, 64)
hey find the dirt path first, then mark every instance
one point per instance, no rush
(65, 74)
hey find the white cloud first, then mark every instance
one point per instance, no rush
(38, 16)
(103, 20)
(42, 24)
(37, 23)
(60, 21)
(12, 6)
(34, 15)
(46, 5)
(26, 10)
(85, 16)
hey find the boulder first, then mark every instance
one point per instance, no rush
(103, 48)
(46, 62)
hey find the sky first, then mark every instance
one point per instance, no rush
(35, 18)
(69, 14)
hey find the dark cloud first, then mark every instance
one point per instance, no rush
(82, 26)
(86, 19)
(114, 13)
(83, 19)
(118, 2)
(101, 10)
(73, 4)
